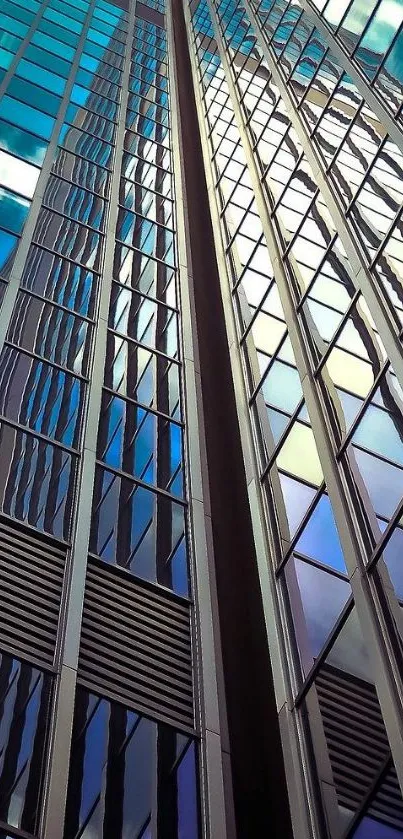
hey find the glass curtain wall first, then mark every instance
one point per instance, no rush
(316, 368)
(61, 70)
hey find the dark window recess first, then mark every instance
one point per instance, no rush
(129, 776)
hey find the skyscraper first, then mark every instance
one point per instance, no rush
(201, 427)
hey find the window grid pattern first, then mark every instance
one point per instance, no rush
(46, 358)
(372, 36)
(365, 409)
(310, 556)
(139, 517)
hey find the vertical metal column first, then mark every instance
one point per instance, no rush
(58, 768)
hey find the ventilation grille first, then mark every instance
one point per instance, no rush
(31, 578)
(358, 744)
(135, 645)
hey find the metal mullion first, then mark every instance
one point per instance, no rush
(271, 359)
(62, 215)
(143, 218)
(394, 521)
(333, 572)
(278, 446)
(69, 631)
(370, 796)
(254, 316)
(317, 368)
(366, 27)
(280, 56)
(387, 236)
(304, 217)
(138, 482)
(57, 305)
(389, 688)
(57, 255)
(366, 175)
(317, 273)
(350, 434)
(353, 122)
(321, 491)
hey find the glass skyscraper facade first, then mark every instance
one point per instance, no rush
(201, 419)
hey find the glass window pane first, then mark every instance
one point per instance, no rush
(26, 117)
(13, 211)
(139, 530)
(22, 144)
(36, 482)
(50, 332)
(17, 175)
(25, 703)
(59, 280)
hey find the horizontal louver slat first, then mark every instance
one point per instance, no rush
(31, 579)
(136, 645)
(358, 744)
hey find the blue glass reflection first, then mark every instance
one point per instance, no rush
(320, 539)
(8, 247)
(13, 211)
(373, 829)
(128, 772)
(323, 598)
(24, 116)
(297, 498)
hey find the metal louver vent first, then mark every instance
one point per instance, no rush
(135, 645)
(358, 744)
(31, 578)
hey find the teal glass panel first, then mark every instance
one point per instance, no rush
(13, 211)
(15, 27)
(9, 42)
(22, 144)
(53, 45)
(52, 63)
(63, 20)
(34, 96)
(6, 59)
(8, 246)
(26, 117)
(59, 33)
(41, 77)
